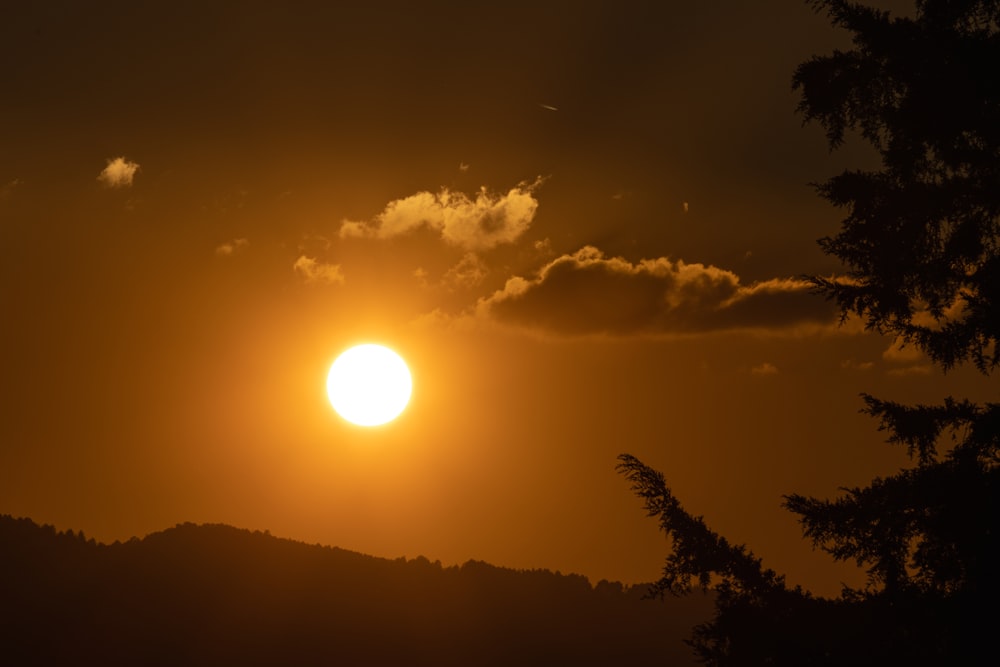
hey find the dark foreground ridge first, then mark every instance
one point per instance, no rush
(218, 595)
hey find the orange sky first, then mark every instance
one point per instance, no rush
(583, 227)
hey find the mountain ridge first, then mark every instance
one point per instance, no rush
(212, 593)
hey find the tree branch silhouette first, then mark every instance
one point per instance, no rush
(698, 553)
(921, 243)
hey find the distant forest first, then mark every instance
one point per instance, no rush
(218, 595)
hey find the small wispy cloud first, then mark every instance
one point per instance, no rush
(314, 272)
(852, 365)
(543, 247)
(7, 189)
(899, 352)
(485, 221)
(233, 247)
(766, 368)
(918, 369)
(469, 272)
(119, 173)
(420, 275)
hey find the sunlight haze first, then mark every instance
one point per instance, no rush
(583, 226)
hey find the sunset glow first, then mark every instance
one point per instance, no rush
(582, 226)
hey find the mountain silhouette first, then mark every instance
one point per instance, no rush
(218, 595)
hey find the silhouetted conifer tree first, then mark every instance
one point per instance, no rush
(921, 241)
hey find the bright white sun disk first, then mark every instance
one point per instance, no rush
(369, 385)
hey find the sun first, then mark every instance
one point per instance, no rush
(369, 385)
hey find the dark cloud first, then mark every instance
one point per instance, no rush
(588, 293)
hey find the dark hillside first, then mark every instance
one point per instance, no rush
(213, 594)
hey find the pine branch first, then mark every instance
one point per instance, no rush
(698, 553)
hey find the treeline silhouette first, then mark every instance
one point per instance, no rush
(214, 594)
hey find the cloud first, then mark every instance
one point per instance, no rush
(420, 273)
(314, 272)
(233, 247)
(469, 272)
(852, 365)
(919, 369)
(8, 188)
(439, 320)
(119, 173)
(765, 368)
(588, 293)
(475, 224)
(900, 352)
(543, 247)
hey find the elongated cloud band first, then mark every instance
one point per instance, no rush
(588, 293)
(475, 224)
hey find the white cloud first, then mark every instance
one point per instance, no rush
(314, 272)
(232, 247)
(479, 223)
(119, 173)
(765, 368)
